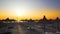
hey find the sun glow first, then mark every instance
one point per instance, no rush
(19, 12)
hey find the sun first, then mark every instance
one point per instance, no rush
(19, 12)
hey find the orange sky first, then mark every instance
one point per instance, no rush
(34, 15)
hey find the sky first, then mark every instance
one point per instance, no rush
(26, 9)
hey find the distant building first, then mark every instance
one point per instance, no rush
(7, 20)
(30, 20)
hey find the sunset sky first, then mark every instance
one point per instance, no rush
(26, 9)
